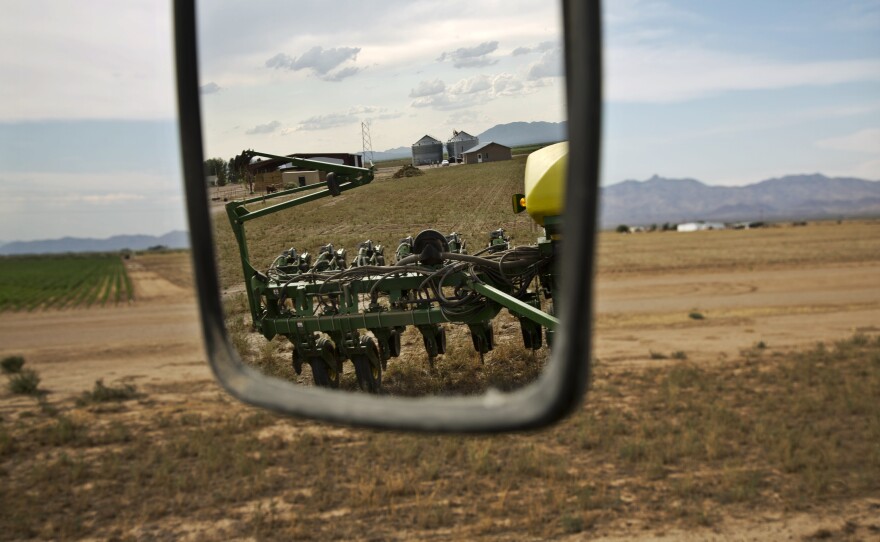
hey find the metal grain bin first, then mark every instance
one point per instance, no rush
(427, 150)
(459, 143)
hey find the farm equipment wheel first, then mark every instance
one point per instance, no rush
(394, 343)
(481, 344)
(324, 376)
(367, 366)
(531, 338)
(440, 338)
(296, 361)
(369, 376)
(333, 184)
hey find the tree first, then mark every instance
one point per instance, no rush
(218, 167)
(234, 174)
(623, 228)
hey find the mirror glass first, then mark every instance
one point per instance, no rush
(386, 182)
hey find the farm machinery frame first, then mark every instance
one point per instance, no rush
(333, 311)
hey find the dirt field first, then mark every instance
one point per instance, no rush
(718, 318)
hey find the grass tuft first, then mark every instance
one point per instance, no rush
(102, 393)
(25, 382)
(12, 364)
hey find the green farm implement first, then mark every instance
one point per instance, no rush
(334, 310)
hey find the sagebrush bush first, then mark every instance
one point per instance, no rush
(12, 364)
(25, 382)
(102, 393)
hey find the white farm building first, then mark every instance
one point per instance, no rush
(701, 226)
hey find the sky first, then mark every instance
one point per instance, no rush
(729, 93)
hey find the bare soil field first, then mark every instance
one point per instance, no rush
(713, 415)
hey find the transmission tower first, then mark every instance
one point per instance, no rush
(366, 142)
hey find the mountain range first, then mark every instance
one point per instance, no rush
(658, 200)
(174, 239)
(516, 134)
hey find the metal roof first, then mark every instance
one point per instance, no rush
(482, 146)
(430, 139)
(462, 136)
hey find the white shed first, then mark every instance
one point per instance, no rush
(701, 226)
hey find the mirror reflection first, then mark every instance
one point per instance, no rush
(387, 185)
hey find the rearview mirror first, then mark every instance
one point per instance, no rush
(336, 306)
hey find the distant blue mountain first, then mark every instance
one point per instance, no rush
(174, 239)
(391, 154)
(658, 200)
(515, 134)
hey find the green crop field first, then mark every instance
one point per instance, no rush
(56, 282)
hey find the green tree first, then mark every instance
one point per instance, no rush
(218, 167)
(234, 174)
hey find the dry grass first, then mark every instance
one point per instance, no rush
(472, 200)
(457, 372)
(174, 266)
(679, 446)
(820, 243)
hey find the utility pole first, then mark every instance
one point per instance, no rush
(366, 142)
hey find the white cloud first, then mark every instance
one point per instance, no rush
(473, 91)
(352, 116)
(471, 57)
(472, 85)
(865, 141)
(267, 128)
(552, 64)
(540, 48)
(506, 84)
(427, 88)
(317, 59)
(342, 74)
(210, 88)
(324, 122)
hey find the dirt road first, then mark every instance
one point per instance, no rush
(785, 308)
(156, 339)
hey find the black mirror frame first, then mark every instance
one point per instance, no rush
(563, 383)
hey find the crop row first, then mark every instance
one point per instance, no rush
(57, 282)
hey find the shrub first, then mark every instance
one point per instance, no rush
(658, 355)
(694, 315)
(102, 394)
(679, 354)
(12, 364)
(25, 382)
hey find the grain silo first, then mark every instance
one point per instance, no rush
(458, 143)
(427, 151)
